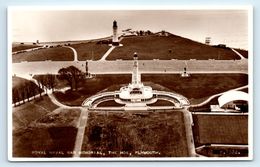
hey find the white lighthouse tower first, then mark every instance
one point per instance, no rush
(115, 41)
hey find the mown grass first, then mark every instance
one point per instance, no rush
(90, 50)
(19, 47)
(196, 88)
(53, 54)
(29, 112)
(220, 129)
(162, 132)
(169, 47)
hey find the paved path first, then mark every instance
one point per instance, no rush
(189, 134)
(240, 55)
(81, 131)
(216, 95)
(108, 52)
(74, 52)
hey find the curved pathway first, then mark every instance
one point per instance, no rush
(240, 55)
(216, 95)
(74, 52)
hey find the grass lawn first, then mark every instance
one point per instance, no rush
(53, 54)
(110, 103)
(44, 141)
(46, 134)
(17, 82)
(19, 47)
(137, 134)
(196, 88)
(25, 114)
(166, 48)
(68, 117)
(90, 50)
(220, 129)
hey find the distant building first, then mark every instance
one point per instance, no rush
(207, 40)
(115, 41)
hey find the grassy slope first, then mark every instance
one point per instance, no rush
(220, 129)
(157, 47)
(44, 131)
(21, 83)
(54, 54)
(19, 47)
(17, 81)
(31, 111)
(136, 131)
(90, 50)
(195, 88)
(243, 52)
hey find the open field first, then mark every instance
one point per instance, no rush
(90, 50)
(17, 82)
(44, 142)
(68, 117)
(24, 115)
(196, 88)
(220, 129)
(48, 134)
(53, 54)
(135, 134)
(19, 47)
(161, 103)
(168, 47)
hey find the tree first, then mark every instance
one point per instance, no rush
(72, 75)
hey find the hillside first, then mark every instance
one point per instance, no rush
(90, 50)
(19, 47)
(168, 47)
(54, 54)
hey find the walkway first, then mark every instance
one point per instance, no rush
(216, 95)
(108, 52)
(81, 131)
(189, 134)
(240, 55)
(74, 52)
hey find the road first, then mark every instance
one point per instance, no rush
(125, 66)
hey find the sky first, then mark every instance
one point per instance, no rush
(228, 27)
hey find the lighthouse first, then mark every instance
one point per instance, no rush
(115, 41)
